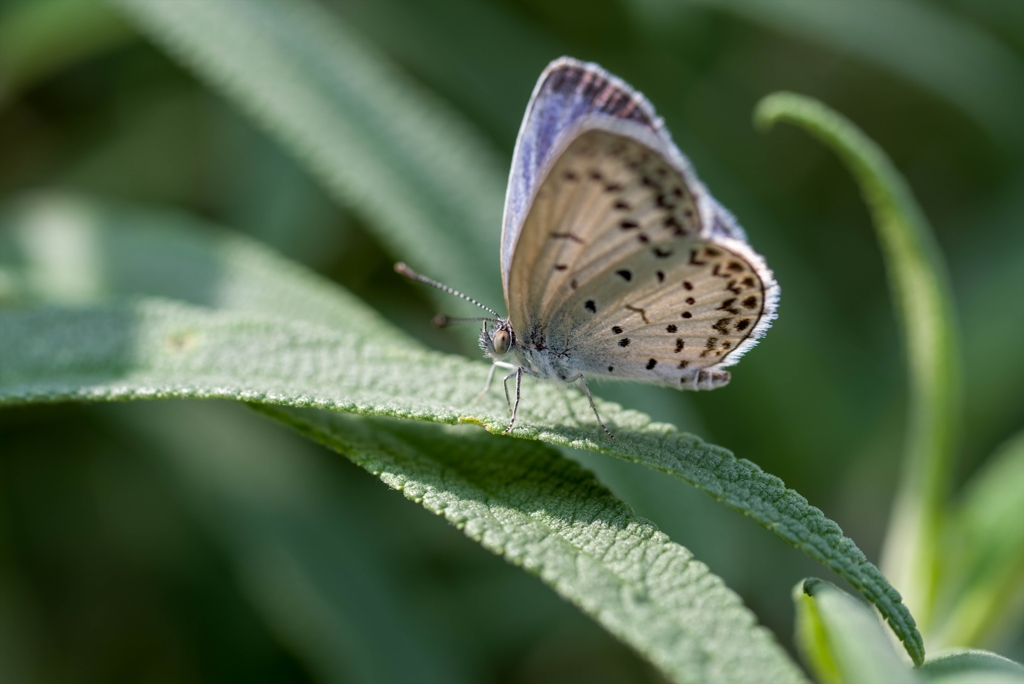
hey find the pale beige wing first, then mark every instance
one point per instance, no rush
(619, 263)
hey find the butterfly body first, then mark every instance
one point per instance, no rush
(616, 261)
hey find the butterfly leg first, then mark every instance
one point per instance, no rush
(518, 373)
(490, 377)
(586, 389)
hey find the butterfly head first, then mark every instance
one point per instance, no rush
(499, 340)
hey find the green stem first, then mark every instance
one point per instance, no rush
(921, 293)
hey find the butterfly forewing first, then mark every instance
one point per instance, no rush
(615, 269)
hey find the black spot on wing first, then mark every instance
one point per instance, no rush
(590, 306)
(727, 305)
(722, 325)
(625, 274)
(709, 347)
(624, 342)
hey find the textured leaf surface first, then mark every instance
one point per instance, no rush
(156, 348)
(539, 510)
(842, 639)
(396, 155)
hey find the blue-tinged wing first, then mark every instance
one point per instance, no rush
(568, 92)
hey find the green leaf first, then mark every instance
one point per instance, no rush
(920, 290)
(984, 567)
(842, 640)
(423, 179)
(539, 510)
(968, 666)
(148, 349)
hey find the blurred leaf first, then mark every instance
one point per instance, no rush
(967, 666)
(920, 290)
(38, 39)
(918, 41)
(152, 348)
(419, 175)
(985, 557)
(989, 282)
(63, 249)
(298, 546)
(842, 640)
(483, 55)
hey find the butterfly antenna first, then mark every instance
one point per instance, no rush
(444, 320)
(413, 275)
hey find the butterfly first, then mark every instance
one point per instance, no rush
(616, 261)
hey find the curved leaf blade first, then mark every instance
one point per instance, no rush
(842, 639)
(544, 513)
(923, 301)
(156, 349)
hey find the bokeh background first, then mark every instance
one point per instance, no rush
(133, 539)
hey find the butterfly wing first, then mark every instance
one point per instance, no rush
(625, 264)
(567, 92)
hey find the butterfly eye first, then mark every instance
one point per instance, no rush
(501, 341)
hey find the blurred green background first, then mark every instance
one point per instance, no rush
(139, 543)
